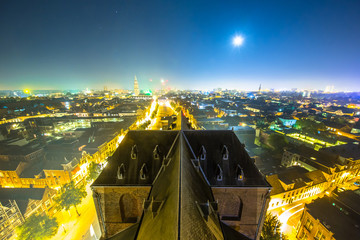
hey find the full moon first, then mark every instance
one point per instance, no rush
(238, 41)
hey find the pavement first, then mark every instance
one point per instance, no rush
(74, 227)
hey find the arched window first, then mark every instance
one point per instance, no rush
(239, 173)
(232, 209)
(225, 153)
(134, 152)
(202, 153)
(219, 173)
(144, 172)
(128, 208)
(121, 171)
(156, 152)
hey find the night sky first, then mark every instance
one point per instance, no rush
(92, 44)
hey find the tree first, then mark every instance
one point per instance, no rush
(94, 171)
(153, 115)
(271, 229)
(173, 104)
(277, 142)
(261, 123)
(37, 227)
(70, 196)
(144, 125)
(178, 109)
(309, 126)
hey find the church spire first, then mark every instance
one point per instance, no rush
(136, 87)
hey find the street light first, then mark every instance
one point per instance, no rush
(63, 227)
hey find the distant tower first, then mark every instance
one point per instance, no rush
(136, 87)
(260, 88)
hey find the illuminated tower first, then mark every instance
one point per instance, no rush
(136, 87)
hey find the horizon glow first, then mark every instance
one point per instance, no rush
(53, 45)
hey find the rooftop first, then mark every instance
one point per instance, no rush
(334, 219)
(22, 196)
(181, 204)
(349, 150)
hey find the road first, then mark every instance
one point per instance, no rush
(164, 111)
(290, 215)
(77, 227)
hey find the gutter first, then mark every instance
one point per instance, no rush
(261, 222)
(97, 195)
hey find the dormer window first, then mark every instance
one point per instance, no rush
(219, 173)
(134, 152)
(156, 152)
(225, 153)
(121, 171)
(202, 153)
(239, 173)
(143, 172)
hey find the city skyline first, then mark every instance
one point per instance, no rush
(186, 119)
(305, 45)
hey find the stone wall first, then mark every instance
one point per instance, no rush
(248, 203)
(119, 207)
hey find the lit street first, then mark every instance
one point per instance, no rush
(290, 217)
(78, 227)
(164, 111)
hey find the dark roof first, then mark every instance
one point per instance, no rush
(334, 124)
(145, 142)
(350, 199)
(50, 163)
(128, 233)
(32, 170)
(180, 204)
(294, 175)
(357, 125)
(349, 150)
(21, 193)
(184, 200)
(9, 165)
(335, 220)
(22, 196)
(214, 142)
(231, 233)
(194, 192)
(15, 150)
(166, 189)
(95, 137)
(316, 158)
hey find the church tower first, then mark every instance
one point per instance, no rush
(136, 87)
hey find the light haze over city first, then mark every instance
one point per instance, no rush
(78, 45)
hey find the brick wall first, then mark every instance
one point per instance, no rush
(119, 207)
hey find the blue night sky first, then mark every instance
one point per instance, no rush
(92, 44)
